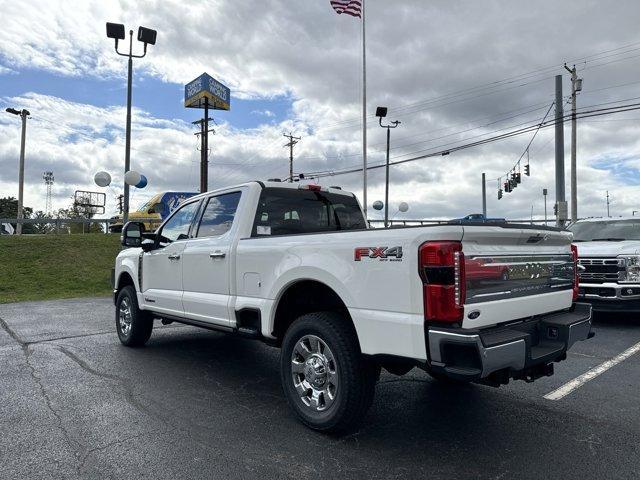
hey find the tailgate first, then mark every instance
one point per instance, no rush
(514, 272)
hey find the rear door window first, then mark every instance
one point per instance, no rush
(284, 211)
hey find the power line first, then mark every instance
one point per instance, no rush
(506, 81)
(520, 131)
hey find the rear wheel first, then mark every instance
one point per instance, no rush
(326, 379)
(133, 325)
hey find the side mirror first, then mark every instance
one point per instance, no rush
(132, 234)
(148, 245)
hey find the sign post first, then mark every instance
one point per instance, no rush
(206, 92)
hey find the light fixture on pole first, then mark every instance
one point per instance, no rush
(381, 112)
(148, 37)
(23, 114)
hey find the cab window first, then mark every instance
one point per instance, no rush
(285, 211)
(177, 227)
(218, 215)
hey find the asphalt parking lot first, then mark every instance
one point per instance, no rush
(74, 403)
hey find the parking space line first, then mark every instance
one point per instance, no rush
(577, 382)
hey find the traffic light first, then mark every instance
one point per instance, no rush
(527, 170)
(507, 186)
(517, 177)
(499, 193)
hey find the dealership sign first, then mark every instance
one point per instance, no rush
(205, 88)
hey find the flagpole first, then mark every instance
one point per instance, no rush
(364, 114)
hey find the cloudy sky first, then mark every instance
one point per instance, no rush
(451, 72)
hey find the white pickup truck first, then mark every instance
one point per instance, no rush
(296, 266)
(609, 263)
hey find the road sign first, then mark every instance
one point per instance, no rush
(94, 201)
(205, 86)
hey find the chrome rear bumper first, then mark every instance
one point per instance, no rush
(524, 350)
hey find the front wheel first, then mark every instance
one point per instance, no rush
(132, 324)
(326, 379)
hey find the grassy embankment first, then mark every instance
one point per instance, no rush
(41, 267)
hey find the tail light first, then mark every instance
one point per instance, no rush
(310, 186)
(441, 267)
(576, 280)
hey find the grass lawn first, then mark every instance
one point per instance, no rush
(41, 267)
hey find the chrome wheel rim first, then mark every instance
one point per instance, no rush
(124, 316)
(314, 372)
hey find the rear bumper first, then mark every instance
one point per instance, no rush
(525, 350)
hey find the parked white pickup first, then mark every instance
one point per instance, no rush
(296, 266)
(609, 262)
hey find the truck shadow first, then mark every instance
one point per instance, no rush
(617, 318)
(221, 386)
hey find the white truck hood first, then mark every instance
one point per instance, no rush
(608, 249)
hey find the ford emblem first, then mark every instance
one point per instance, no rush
(473, 314)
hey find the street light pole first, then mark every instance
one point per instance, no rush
(23, 116)
(127, 141)
(386, 181)
(148, 37)
(381, 112)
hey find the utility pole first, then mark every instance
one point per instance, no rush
(484, 196)
(204, 147)
(120, 199)
(292, 141)
(608, 213)
(23, 116)
(561, 204)
(544, 194)
(576, 86)
(531, 217)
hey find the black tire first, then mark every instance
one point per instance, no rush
(356, 376)
(141, 323)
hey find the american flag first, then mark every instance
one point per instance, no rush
(350, 7)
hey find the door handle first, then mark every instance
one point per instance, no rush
(175, 256)
(217, 254)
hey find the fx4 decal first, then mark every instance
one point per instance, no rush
(382, 253)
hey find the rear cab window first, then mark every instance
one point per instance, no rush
(286, 211)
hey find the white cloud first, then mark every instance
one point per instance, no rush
(7, 71)
(263, 113)
(416, 51)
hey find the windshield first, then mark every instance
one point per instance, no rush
(613, 230)
(146, 206)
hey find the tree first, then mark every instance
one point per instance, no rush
(9, 209)
(44, 227)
